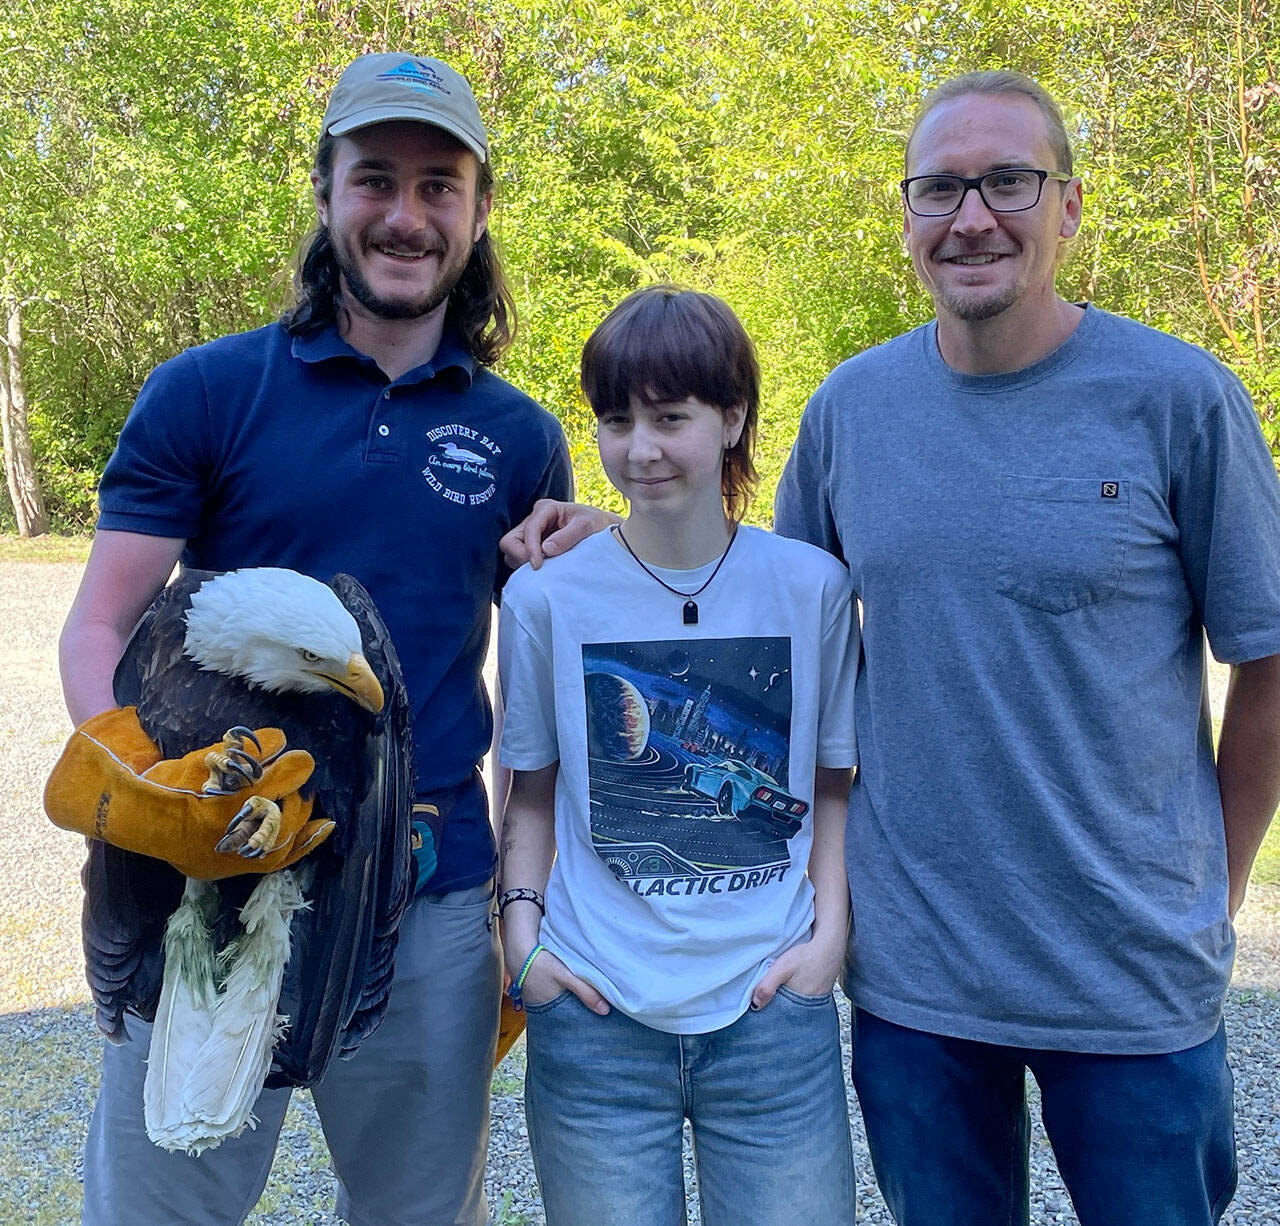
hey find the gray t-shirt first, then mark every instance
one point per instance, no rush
(1035, 847)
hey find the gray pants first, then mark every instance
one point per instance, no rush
(406, 1119)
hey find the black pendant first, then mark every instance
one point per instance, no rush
(690, 613)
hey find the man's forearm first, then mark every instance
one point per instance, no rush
(1249, 767)
(124, 572)
(87, 656)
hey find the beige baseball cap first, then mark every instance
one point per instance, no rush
(395, 85)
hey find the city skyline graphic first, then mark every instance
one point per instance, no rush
(680, 734)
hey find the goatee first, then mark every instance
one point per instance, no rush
(976, 310)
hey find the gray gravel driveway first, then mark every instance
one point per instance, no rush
(49, 1049)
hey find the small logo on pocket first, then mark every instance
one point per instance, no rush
(1111, 489)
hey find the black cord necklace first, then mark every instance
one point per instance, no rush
(690, 605)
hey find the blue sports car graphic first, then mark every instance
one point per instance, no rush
(748, 794)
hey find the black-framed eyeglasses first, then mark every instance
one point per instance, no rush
(1002, 191)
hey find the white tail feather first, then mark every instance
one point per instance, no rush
(222, 1078)
(184, 1016)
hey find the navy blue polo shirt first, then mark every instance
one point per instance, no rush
(263, 449)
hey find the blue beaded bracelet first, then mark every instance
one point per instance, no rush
(514, 990)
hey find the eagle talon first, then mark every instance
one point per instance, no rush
(245, 762)
(246, 811)
(232, 768)
(225, 775)
(238, 735)
(252, 841)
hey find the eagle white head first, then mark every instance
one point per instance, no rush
(279, 630)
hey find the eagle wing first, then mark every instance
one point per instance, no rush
(338, 980)
(393, 786)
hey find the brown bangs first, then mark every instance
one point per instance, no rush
(662, 344)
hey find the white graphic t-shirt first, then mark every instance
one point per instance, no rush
(687, 754)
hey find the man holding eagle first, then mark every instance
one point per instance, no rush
(361, 433)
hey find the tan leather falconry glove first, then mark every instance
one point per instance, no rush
(222, 811)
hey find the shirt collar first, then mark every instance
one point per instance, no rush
(328, 345)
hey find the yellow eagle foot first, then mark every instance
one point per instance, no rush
(253, 831)
(231, 766)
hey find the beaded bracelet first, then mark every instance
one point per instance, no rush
(514, 990)
(521, 894)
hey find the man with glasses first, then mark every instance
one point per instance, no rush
(1044, 507)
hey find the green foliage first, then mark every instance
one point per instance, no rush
(505, 1215)
(153, 176)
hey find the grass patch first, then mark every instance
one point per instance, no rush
(48, 548)
(1266, 868)
(508, 1077)
(48, 1081)
(507, 1216)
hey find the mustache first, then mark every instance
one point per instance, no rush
(399, 242)
(954, 247)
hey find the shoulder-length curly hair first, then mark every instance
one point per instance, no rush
(480, 307)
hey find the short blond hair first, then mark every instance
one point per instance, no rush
(1001, 81)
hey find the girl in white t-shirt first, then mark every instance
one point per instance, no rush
(679, 726)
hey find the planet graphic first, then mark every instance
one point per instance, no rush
(677, 663)
(617, 718)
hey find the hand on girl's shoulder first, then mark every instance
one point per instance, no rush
(582, 557)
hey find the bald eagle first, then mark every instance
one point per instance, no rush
(257, 648)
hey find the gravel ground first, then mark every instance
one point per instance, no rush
(49, 1049)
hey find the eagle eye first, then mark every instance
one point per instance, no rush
(309, 656)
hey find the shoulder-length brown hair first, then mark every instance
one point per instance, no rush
(480, 307)
(664, 343)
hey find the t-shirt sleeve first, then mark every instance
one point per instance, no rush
(557, 477)
(527, 680)
(1226, 502)
(802, 506)
(555, 481)
(838, 668)
(155, 482)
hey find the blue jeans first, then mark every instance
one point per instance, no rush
(606, 1099)
(1140, 1140)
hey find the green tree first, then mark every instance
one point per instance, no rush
(153, 171)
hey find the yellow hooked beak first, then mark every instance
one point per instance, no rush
(358, 683)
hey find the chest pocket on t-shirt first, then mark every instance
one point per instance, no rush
(1061, 540)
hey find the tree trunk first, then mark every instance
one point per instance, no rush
(19, 466)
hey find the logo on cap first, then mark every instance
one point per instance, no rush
(415, 75)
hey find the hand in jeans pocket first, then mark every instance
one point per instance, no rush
(807, 969)
(547, 977)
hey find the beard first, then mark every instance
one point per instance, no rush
(354, 281)
(975, 310)
(973, 306)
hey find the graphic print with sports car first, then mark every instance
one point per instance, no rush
(748, 794)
